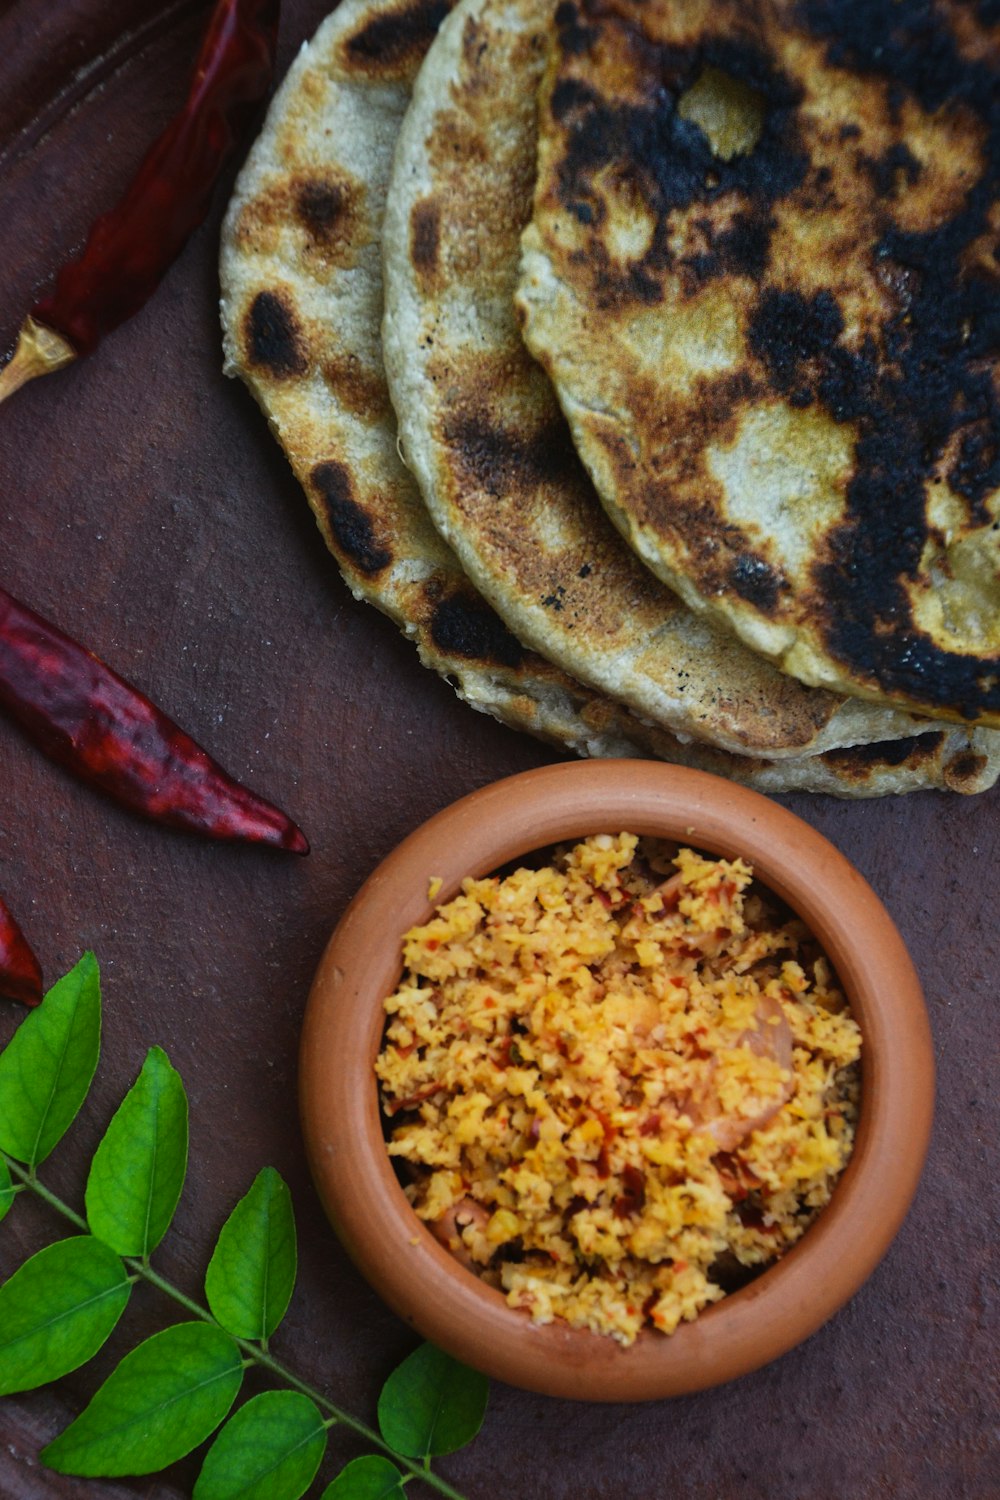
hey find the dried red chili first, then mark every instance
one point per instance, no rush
(131, 247)
(84, 716)
(20, 971)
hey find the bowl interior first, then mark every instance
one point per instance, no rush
(344, 1025)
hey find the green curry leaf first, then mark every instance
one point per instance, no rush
(161, 1401)
(252, 1271)
(57, 1311)
(431, 1404)
(6, 1189)
(138, 1169)
(270, 1450)
(47, 1066)
(172, 1392)
(372, 1478)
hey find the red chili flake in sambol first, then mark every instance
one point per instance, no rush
(614, 1176)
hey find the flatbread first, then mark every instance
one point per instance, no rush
(301, 307)
(482, 431)
(764, 275)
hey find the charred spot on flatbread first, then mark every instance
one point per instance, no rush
(463, 624)
(325, 207)
(506, 460)
(757, 581)
(329, 206)
(425, 236)
(389, 44)
(359, 388)
(349, 524)
(272, 337)
(644, 154)
(965, 771)
(955, 768)
(807, 194)
(861, 759)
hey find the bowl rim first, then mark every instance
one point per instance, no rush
(419, 1279)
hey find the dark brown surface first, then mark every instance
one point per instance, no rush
(144, 506)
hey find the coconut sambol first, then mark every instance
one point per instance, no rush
(620, 1083)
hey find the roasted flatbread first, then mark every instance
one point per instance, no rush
(764, 275)
(302, 303)
(482, 431)
(301, 307)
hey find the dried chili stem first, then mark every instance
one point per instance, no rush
(39, 351)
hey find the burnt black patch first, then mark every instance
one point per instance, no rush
(569, 96)
(500, 462)
(908, 42)
(667, 162)
(916, 748)
(425, 235)
(965, 769)
(399, 36)
(921, 389)
(937, 394)
(744, 248)
(349, 523)
(894, 170)
(925, 395)
(975, 474)
(757, 581)
(464, 625)
(320, 206)
(789, 332)
(741, 250)
(574, 36)
(273, 338)
(847, 380)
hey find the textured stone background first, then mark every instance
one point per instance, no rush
(144, 506)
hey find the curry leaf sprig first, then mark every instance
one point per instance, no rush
(178, 1387)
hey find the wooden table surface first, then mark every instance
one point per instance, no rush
(144, 506)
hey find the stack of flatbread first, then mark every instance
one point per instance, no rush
(639, 358)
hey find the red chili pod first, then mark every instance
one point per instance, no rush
(130, 248)
(20, 971)
(82, 715)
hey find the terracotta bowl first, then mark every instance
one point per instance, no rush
(419, 1278)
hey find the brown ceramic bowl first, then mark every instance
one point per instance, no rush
(419, 1278)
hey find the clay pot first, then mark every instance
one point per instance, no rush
(418, 1278)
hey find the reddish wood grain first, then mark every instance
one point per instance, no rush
(144, 506)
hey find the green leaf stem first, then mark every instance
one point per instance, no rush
(161, 1401)
(251, 1275)
(270, 1450)
(138, 1169)
(57, 1311)
(47, 1066)
(370, 1478)
(431, 1404)
(6, 1189)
